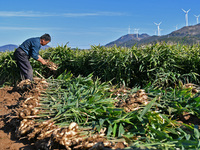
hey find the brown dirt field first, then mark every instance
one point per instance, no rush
(8, 100)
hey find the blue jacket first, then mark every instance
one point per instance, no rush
(31, 47)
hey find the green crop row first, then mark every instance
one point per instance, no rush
(161, 64)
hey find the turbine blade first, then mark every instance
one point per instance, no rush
(183, 10)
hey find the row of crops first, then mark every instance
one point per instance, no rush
(160, 64)
(85, 89)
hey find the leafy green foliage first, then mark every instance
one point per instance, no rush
(76, 99)
(8, 68)
(161, 64)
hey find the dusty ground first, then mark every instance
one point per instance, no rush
(8, 100)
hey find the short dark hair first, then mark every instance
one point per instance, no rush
(46, 37)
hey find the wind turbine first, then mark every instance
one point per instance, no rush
(158, 24)
(160, 31)
(129, 30)
(186, 16)
(136, 31)
(197, 18)
(176, 27)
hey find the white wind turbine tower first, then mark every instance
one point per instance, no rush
(176, 27)
(160, 30)
(129, 30)
(158, 24)
(136, 31)
(197, 18)
(186, 16)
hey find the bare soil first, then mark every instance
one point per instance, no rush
(9, 99)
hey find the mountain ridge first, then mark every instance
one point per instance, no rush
(12, 47)
(8, 47)
(186, 35)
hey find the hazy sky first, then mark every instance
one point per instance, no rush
(83, 23)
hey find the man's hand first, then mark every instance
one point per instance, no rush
(48, 63)
(40, 59)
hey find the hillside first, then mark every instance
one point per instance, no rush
(186, 35)
(7, 47)
(127, 38)
(187, 31)
(12, 47)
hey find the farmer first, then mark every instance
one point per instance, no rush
(30, 48)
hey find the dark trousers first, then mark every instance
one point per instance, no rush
(23, 63)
